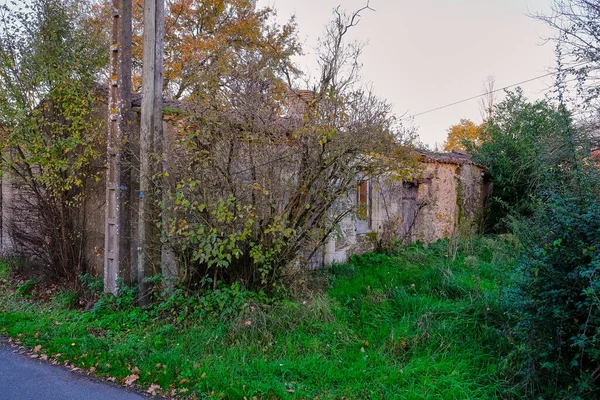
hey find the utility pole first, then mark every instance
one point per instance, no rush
(117, 248)
(151, 133)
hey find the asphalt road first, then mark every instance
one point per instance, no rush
(24, 378)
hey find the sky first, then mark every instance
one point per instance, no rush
(423, 54)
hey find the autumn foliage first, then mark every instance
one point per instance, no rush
(464, 134)
(264, 162)
(206, 42)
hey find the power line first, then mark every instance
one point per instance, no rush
(493, 91)
(285, 156)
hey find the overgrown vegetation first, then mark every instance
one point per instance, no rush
(519, 148)
(419, 324)
(50, 135)
(260, 171)
(546, 189)
(261, 174)
(269, 171)
(555, 307)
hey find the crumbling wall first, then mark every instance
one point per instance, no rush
(446, 199)
(438, 197)
(449, 201)
(471, 197)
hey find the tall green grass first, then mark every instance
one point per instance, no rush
(421, 324)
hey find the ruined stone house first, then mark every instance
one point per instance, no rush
(445, 199)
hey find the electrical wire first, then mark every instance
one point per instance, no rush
(426, 112)
(493, 91)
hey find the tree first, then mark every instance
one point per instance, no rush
(519, 142)
(265, 181)
(554, 307)
(577, 25)
(487, 102)
(206, 41)
(48, 67)
(463, 134)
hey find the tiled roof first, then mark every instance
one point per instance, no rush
(457, 157)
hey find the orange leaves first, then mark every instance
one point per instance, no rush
(203, 38)
(467, 131)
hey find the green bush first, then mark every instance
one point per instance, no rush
(555, 307)
(518, 143)
(557, 317)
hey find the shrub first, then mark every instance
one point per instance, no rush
(556, 308)
(50, 136)
(516, 150)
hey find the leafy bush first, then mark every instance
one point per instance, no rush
(92, 284)
(556, 308)
(5, 269)
(516, 148)
(50, 135)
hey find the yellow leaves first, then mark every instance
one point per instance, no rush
(467, 131)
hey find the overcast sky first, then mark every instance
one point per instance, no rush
(422, 54)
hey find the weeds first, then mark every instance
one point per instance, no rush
(414, 325)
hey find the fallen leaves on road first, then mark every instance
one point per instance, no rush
(130, 380)
(154, 389)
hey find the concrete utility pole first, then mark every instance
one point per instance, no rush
(117, 256)
(151, 132)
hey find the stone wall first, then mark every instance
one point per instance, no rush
(446, 200)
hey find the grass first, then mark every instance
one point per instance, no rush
(416, 325)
